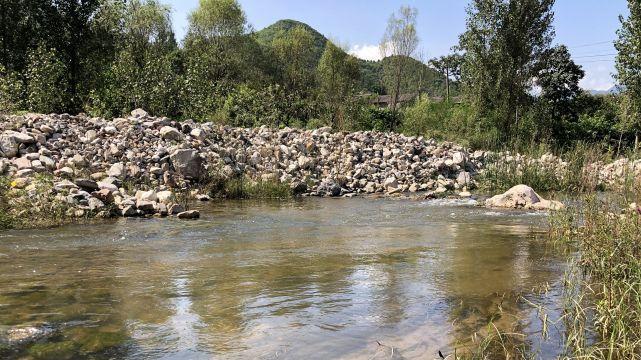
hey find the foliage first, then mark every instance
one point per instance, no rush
(241, 187)
(35, 206)
(280, 28)
(338, 74)
(144, 71)
(10, 91)
(46, 78)
(399, 43)
(558, 78)
(628, 65)
(375, 118)
(248, 107)
(603, 305)
(450, 67)
(218, 55)
(294, 51)
(6, 220)
(503, 44)
(503, 171)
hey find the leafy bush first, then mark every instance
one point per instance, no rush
(10, 91)
(47, 84)
(369, 117)
(248, 107)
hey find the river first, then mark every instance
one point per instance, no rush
(305, 279)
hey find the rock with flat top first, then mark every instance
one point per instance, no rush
(191, 214)
(522, 197)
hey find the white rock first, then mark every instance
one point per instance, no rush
(170, 133)
(522, 197)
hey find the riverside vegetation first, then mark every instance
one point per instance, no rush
(283, 111)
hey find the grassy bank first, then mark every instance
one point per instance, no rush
(573, 170)
(601, 302)
(603, 307)
(34, 205)
(242, 187)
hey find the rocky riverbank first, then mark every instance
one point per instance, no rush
(81, 166)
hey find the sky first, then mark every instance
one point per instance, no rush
(587, 27)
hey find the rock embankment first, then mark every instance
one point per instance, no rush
(137, 163)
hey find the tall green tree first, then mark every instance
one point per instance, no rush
(73, 40)
(338, 75)
(214, 52)
(145, 71)
(24, 25)
(47, 81)
(11, 91)
(399, 43)
(503, 43)
(558, 77)
(294, 50)
(450, 67)
(628, 65)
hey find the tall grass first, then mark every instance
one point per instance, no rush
(603, 307)
(503, 170)
(241, 187)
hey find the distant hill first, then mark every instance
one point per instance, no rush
(267, 35)
(372, 72)
(613, 90)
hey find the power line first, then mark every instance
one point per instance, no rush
(593, 56)
(592, 44)
(596, 61)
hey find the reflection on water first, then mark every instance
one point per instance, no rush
(306, 279)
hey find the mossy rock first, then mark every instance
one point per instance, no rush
(55, 350)
(102, 341)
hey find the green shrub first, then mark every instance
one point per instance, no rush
(10, 91)
(374, 118)
(241, 187)
(47, 83)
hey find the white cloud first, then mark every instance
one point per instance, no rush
(366, 52)
(598, 77)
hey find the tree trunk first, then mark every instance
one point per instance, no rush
(397, 90)
(447, 84)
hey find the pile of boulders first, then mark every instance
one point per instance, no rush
(135, 164)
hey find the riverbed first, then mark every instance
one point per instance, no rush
(311, 278)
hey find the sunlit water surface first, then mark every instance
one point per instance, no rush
(309, 279)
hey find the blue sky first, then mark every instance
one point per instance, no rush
(586, 26)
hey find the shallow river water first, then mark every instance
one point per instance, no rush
(307, 279)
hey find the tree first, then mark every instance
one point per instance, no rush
(10, 91)
(73, 40)
(46, 78)
(215, 61)
(558, 77)
(503, 44)
(628, 65)
(294, 50)
(145, 71)
(450, 67)
(399, 42)
(338, 74)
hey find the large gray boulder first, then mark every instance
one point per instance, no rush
(522, 197)
(187, 163)
(170, 133)
(10, 142)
